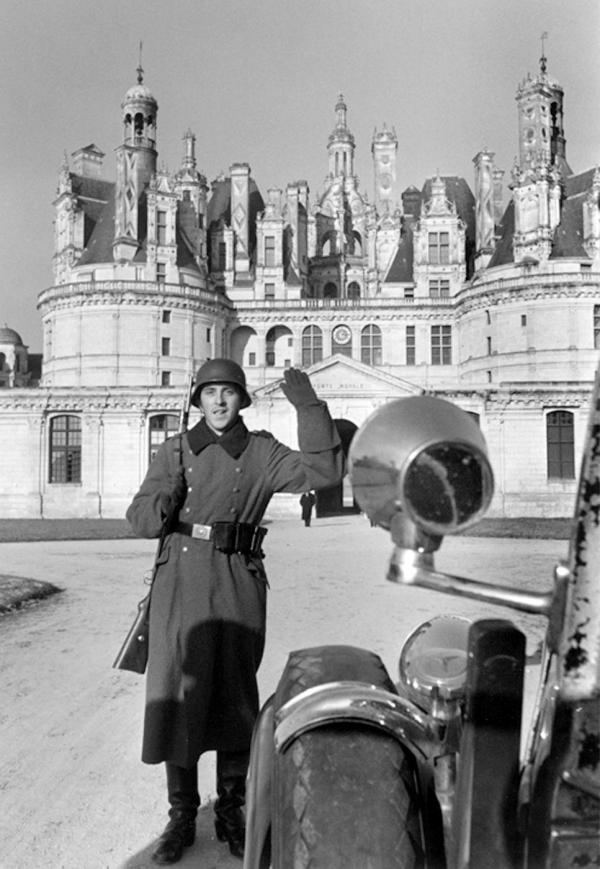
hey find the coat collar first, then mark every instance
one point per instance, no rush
(234, 439)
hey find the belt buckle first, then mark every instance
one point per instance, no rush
(201, 532)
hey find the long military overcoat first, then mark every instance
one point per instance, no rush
(207, 613)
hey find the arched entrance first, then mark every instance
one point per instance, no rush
(336, 500)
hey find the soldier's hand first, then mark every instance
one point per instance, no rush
(172, 500)
(297, 388)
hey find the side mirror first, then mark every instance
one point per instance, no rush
(423, 457)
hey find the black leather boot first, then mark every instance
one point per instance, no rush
(230, 823)
(180, 832)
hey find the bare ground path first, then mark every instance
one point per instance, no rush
(73, 793)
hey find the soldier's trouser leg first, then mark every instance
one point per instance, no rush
(180, 832)
(230, 826)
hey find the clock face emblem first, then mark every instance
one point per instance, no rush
(341, 334)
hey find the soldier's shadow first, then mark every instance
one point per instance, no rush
(206, 851)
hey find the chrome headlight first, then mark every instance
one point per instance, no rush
(433, 662)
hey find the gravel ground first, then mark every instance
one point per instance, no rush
(74, 794)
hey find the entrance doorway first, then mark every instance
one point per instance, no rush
(337, 500)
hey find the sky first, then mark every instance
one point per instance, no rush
(257, 82)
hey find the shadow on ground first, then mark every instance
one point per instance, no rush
(206, 851)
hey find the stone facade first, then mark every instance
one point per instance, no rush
(494, 305)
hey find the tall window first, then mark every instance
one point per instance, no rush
(161, 427)
(410, 345)
(161, 227)
(270, 349)
(65, 450)
(439, 289)
(269, 291)
(165, 378)
(441, 345)
(269, 250)
(560, 445)
(439, 248)
(166, 316)
(597, 327)
(330, 291)
(370, 345)
(165, 346)
(354, 290)
(161, 272)
(312, 346)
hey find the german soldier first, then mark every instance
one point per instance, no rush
(207, 615)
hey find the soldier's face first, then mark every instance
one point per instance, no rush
(220, 403)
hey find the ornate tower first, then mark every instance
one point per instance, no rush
(539, 175)
(341, 145)
(136, 163)
(541, 130)
(384, 148)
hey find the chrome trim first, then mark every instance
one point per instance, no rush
(258, 788)
(361, 703)
(409, 567)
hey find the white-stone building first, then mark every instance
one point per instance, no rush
(488, 297)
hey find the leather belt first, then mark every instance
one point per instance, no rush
(228, 537)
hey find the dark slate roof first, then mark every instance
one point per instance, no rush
(568, 235)
(92, 188)
(99, 227)
(99, 235)
(504, 252)
(401, 269)
(578, 184)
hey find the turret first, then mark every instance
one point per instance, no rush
(341, 145)
(541, 129)
(136, 164)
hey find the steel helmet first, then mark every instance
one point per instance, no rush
(220, 371)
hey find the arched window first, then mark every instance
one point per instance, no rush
(65, 450)
(330, 291)
(279, 345)
(244, 346)
(328, 244)
(312, 346)
(138, 123)
(370, 345)
(163, 426)
(354, 290)
(560, 445)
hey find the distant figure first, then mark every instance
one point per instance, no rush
(307, 502)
